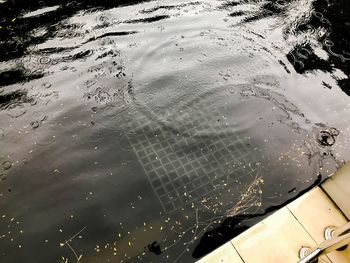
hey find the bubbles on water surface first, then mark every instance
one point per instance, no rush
(113, 110)
(116, 97)
(46, 85)
(39, 32)
(74, 56)
(346, 55)
(35, 124)
(328, 43)
(3, 177)
(6, 165)
(327, 138)
(15, 109)
(45, 60)
(70, 31)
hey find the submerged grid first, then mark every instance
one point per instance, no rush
(187, 158)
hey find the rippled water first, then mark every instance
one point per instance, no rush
(156, 131)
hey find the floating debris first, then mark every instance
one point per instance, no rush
(154, 247)
(327, 138)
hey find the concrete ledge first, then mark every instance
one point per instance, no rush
(279, 237)
(224, 254)
(338, 188)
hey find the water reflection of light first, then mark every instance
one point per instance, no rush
(41, 11)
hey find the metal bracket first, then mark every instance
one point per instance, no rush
(335, 239)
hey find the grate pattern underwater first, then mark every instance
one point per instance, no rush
(186, 158)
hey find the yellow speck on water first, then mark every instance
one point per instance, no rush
(129, 243)
(13, 20)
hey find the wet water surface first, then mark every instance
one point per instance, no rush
(156, 131)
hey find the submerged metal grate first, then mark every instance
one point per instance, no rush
(186, 159)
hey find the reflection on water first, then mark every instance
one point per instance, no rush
(155, 131)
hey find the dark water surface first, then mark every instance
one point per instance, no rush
(155, 131)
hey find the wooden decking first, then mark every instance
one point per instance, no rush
(279, 237)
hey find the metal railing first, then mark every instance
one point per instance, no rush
(335, 239)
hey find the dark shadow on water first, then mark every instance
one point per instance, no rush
(14, 97)
(333, 17)
(148, 20)
(17, 76)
